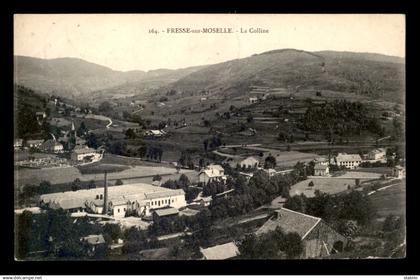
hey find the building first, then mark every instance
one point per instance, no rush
(211, 173)
(82, 153)
(321, 160)
(253, 100)
(220, 252)
(52, 146)
(165, 212)
(350, 161)
(34, 143)
(18, 144)
(398, 171)
(321, 169)
(93, 241)
(249, 162)
(377, 154)
(136, 199)
(155, 133)
(319, 239)
(271, 172)
(41, 115)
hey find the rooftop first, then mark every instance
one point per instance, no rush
(220, 252)
(319, 166)
(94, 239)
(348, 157)
(290, 221)
(166, 212)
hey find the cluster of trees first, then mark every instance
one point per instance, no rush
(154, 153)
(212, 143)
(342, 118)
(354, 205)
(186, 160)
(182, 183)
(260, 189)
(56, 235)
(214, 187)
(272, 245)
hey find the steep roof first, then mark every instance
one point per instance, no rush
(319, 166)
(348, 157)
(84, 150)
(94, 239)
(290, 221)
(210, 170)
(220, 252)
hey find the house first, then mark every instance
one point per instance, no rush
(34, 143)
(321, 160)
(253, 100)
(318, 238)
(220, 252)
(211, 173)
(321, 169)
(271, 172)
(398, 171)
(40, 115)
(203, 99)
(93, 241)
(137, 199)
(155, 133)
(52, 146)
(377, 154)
(249, 162)
(82, 153)
(18, 144)
(350, 161)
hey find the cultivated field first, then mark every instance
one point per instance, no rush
(390, 201)
(326, 185)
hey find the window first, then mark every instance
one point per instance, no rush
(124, 210)
(172, 200)
(101, 197)
(118, 210)
(97, 196)
(158, 202)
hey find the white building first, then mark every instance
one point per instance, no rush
(253, 100)
(321, 169)
(377, 154)
(18, 144)
(220, 252)
(398, 171)
(34, 143)
(211, 173)
(249, 162)
(82, 153)
(52, 146)
(136, 199)
(350, 161)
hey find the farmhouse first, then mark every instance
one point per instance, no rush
(321, 169)
(319, 239)
(220, 252)
(249, 162)
(34, 143)
(18, 144)
(377, 154)
(321, 160)
(133, 198)
(52, 146)
(350, 161)
(253, 100)
(155, 133)
(82, 153)
(211, 173)
(165, 212)
(398, 171)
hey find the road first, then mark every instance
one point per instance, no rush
(383, 188)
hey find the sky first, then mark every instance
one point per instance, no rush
(123, 41)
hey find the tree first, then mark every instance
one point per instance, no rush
(113, 230)
(130, 134)
(270, 162)
(311, 184)
(45, 187)
(157, 178)
(249, 118)
(91, 184)
(119, 182)
(293, 246)
(82, 130)
(105, 107)
(23, 232)
(183, 182)
(76, 185)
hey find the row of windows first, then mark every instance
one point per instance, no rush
(163, 201)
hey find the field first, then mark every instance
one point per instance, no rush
(390, 201)
(326, 185)
(69, 174)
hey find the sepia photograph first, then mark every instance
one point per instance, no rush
(143, 137)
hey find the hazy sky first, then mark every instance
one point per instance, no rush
(123, 41)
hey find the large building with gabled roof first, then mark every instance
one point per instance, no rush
(318, 237)
(136, 198)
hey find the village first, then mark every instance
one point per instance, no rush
(180, 209)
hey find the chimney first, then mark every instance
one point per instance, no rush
(105, 209)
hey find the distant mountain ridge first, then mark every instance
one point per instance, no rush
(371, 74)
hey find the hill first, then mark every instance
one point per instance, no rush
(77, 77)
(291, 71)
